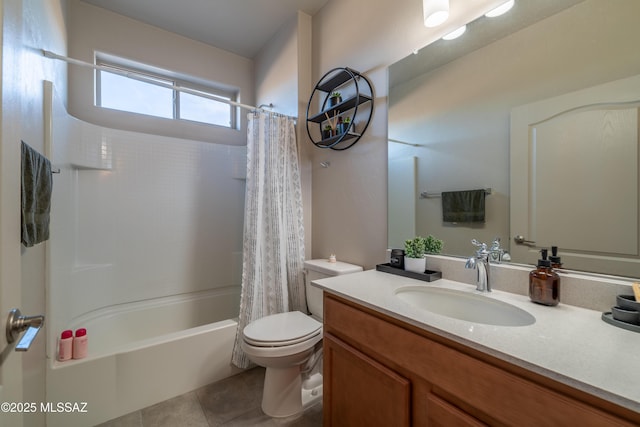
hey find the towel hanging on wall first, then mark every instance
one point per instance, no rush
(37, 185)
(463, 206)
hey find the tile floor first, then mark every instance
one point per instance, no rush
(234, 401)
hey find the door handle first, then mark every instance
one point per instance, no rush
(16, 323)
(522, 241)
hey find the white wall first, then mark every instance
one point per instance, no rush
(28, 27)
(350, 197)
(283, 78)
(93, 29)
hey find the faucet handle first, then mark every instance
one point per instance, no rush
(475, 242)
(495, 245)
(482, 246)
(496, 251)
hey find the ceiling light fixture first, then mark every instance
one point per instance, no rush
(435, 12)
(500, 10)
(455, 33)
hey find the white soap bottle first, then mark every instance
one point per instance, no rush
(80, 344)
(65, 345)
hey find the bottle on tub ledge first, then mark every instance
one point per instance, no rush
(80, 344)
(544, 283)
(65, 346)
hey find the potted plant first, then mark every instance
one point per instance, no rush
(344, 125)
(414, 254)
(432, 245)
(335, 98)
(327, 132)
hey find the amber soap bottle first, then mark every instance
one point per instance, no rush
(544, 283)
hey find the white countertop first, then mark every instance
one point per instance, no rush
(569, 344)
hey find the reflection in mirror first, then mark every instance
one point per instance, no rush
(450, 110)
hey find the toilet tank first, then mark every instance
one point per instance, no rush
(319, 269)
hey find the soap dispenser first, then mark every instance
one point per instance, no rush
(556, 261)
(544, 283)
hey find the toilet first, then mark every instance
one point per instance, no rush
(289, 346)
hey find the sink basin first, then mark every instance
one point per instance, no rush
(465, 306)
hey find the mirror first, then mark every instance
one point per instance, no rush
(450, 126)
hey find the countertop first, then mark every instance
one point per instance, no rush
(569, 344)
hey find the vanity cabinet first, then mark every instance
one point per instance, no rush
(380, 371)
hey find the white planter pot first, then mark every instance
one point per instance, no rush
(417, 265)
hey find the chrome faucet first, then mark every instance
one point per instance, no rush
(480, 262)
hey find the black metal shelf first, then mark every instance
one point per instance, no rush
(330, 142)
(338, 80)
(345, 105)
(352, 81)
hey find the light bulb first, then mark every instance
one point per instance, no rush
(455, 33)
(500, 10)
(435, 12)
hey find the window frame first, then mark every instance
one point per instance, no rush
(173, 81)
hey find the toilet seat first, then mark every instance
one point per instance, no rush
(282, 329)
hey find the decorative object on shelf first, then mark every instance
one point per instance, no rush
(335, 99)
(425, 276)
(432, 245)
(344, 125)
(327, 132)
(341, 96)
(414, 259)
(415, 250)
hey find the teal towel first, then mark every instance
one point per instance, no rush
(37, 184)
(463, 206)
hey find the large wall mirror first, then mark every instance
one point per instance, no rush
(540, 107)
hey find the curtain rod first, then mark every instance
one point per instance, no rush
(138, 77)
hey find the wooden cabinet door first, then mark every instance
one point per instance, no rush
(358, 391)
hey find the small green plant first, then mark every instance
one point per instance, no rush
(414, 248)
(347, 120)
(432, 245)
(335, 94)
(327, 127)
(418, 246)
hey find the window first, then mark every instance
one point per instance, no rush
(145, 91)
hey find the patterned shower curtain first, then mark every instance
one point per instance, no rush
(273, 242)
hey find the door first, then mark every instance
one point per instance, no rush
(11, 388)
(575, 179)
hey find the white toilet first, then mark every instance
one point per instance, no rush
(288, 345)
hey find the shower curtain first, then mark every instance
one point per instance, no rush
(273, 242)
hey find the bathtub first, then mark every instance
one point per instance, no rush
(142, 353)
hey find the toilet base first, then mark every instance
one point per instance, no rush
(283, 394)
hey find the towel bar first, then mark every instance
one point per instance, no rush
(427, 195)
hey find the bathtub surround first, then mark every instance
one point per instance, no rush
(144, 230)
(273, 249)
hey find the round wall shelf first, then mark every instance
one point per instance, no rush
(343, 104)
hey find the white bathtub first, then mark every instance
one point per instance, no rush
(143, 353)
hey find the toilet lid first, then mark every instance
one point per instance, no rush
(281, 329)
